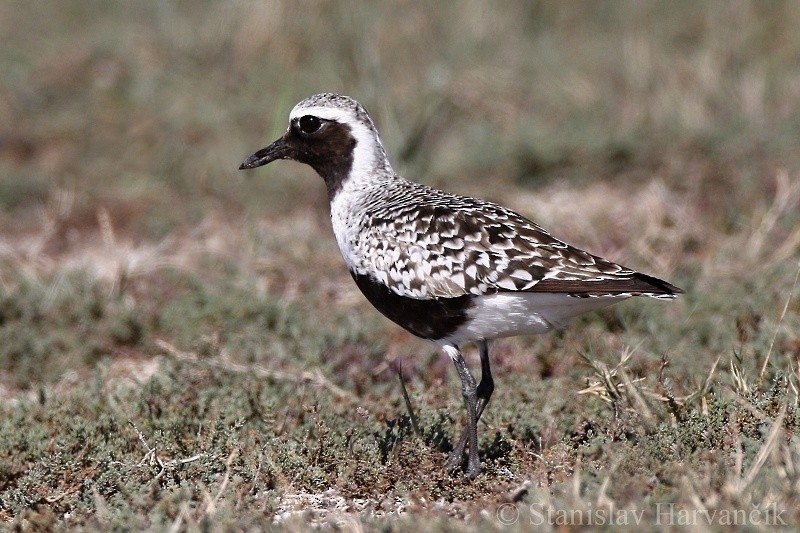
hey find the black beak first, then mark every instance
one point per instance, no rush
(277, 150)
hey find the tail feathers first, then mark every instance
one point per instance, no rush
(665, 288)
(636, 285)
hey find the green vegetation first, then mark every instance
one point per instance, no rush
(182, 347)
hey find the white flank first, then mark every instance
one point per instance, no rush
(507, 314)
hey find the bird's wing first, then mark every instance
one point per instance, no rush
(472, 247)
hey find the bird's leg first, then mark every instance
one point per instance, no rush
(483, 394)
(469, 392)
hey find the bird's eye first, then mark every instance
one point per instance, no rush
(309, 124)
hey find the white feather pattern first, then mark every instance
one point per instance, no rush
(508, 314)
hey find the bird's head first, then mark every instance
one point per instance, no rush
(331, 133)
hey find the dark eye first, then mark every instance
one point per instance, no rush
(309, 124)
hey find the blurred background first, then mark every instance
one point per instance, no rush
(662, 135)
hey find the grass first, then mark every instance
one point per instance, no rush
(181, 346)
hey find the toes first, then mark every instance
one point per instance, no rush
(454, 459)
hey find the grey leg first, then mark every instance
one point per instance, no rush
(484, 394)
(476, 402)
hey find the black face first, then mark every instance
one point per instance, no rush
(326, 145)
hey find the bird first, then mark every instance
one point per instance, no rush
(450, 269)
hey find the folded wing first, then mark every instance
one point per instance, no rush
(459, 246)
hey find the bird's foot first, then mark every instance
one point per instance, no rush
(456, 457)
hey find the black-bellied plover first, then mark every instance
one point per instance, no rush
(447, 268)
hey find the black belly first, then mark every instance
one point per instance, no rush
(432, 319)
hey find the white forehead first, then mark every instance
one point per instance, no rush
(339, 114)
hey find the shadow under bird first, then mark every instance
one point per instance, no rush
(450, 269)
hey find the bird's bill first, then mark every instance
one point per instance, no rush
(277, 150)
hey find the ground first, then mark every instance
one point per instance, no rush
(181, 346)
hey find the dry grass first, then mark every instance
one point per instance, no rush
(182, 348)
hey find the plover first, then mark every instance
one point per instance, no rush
(450, 269)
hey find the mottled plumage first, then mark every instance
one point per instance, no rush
(447, 268)
(424, 243)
